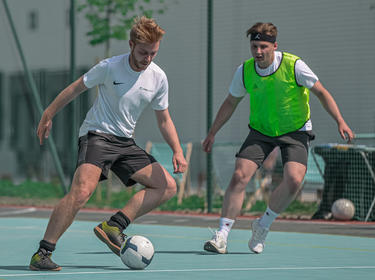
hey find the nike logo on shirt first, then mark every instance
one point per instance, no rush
(116, 83)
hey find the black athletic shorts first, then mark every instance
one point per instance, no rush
(110, 152)
(294, 146)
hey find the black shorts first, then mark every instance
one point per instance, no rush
(294, 146)
(110, 152)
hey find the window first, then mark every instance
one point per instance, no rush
(33, 19)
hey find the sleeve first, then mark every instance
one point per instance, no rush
(160, 101)
(96, 75)
(237, 88)
(304, 75)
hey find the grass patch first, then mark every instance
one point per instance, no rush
(296, 207)
(30, 189)
(41, 193)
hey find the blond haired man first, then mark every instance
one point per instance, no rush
(278, 84)
(127, 84)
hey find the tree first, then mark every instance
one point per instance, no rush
(112, 19)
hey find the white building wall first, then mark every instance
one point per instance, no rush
(334, 38)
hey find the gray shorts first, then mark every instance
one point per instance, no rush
(294, 146)
(110, 152)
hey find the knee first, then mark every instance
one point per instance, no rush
(171, 188)
(294, 184)
(81, 193)
(240, 180)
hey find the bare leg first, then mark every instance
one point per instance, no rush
(270, 161)
(84, 183)
(235, 193)
(289, 187)
(232, 204)
(281, 197)
(159, 187)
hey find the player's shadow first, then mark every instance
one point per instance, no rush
(200, 253)
(105, 267)
(26, 268)
(94, 253)
(14, 267)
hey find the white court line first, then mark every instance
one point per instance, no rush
(191, 270)
(18, 211)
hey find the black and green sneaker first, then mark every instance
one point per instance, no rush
(41, 260)
(110, 235)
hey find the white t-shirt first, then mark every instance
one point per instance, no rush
(304, 77)
(123, 95)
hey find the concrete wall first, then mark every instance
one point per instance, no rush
(334, 38)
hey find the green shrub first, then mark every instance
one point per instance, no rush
(30, 189)
(45, 191)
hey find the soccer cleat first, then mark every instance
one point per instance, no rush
(110, 235)
(41, 260)
(256, 243)
(218, 244)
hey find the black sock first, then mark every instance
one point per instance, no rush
(119, 220)
(50, 247)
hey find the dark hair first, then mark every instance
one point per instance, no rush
(261, 27)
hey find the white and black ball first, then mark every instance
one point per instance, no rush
(137, 252)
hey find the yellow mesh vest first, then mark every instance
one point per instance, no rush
(278, 105)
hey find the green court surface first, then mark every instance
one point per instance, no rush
(179, 254)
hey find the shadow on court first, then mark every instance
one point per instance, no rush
(179, 253)
(200, 253)
(26, 268)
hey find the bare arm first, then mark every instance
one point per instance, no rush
(223, 115)
(64, 97)
(169, 133)
(331, 107)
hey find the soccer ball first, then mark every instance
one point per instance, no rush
(137, 252)
(343, 209)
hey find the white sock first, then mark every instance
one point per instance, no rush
(225, 226)
(267, 219)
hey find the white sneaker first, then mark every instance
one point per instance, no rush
(256, 243)
(218, 243)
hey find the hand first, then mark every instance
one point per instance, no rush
(44, 127)
(179, 163)
(208, 143)
(345, 132)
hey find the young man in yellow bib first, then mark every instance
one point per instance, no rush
(278, 84)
